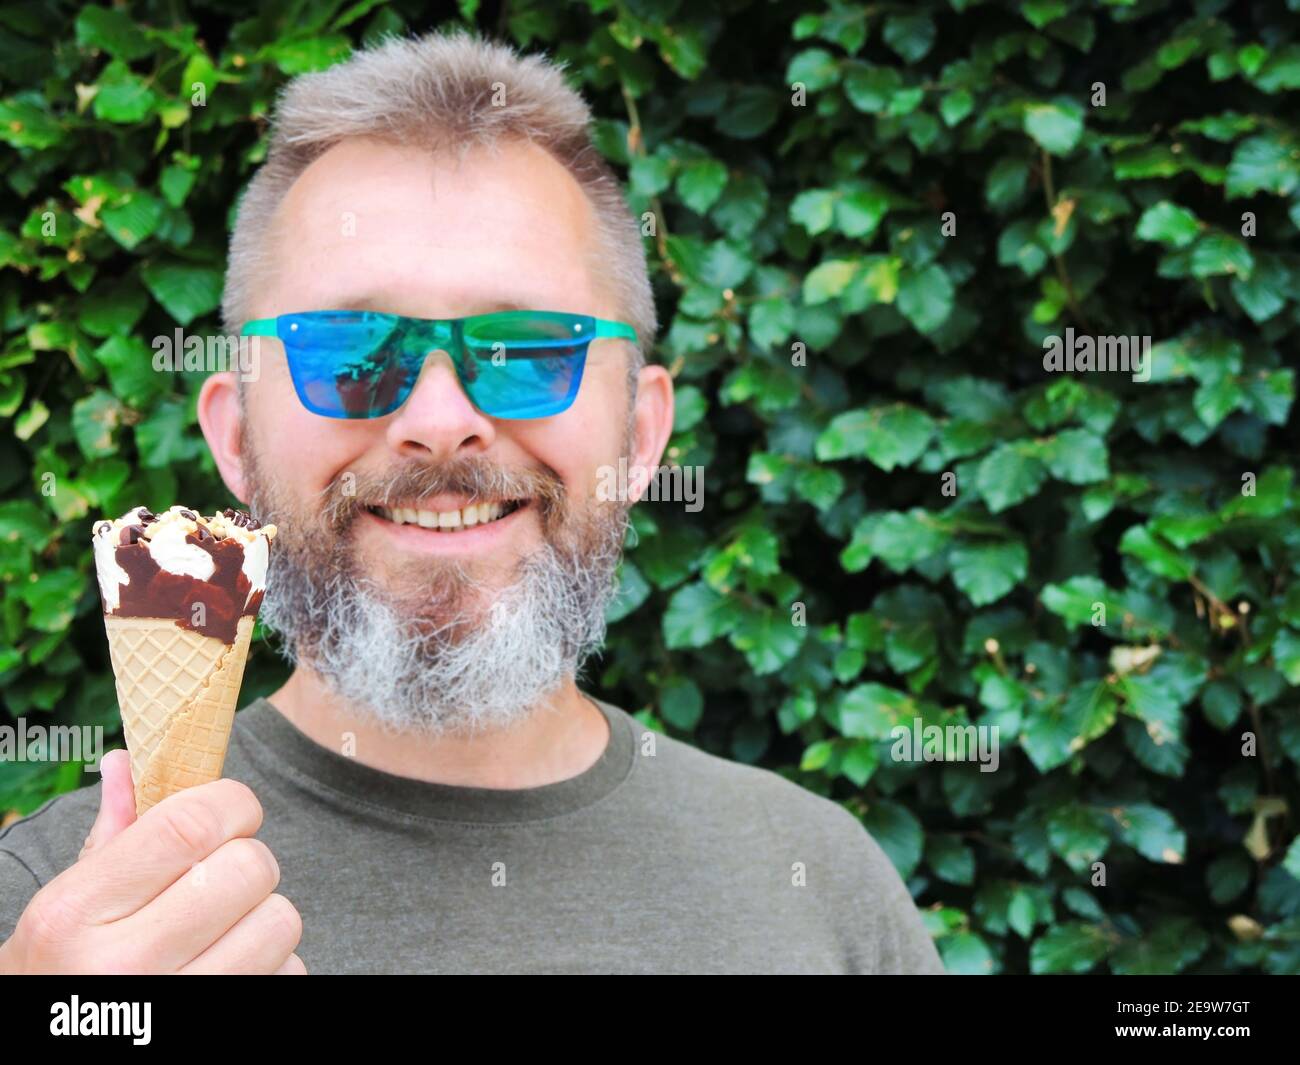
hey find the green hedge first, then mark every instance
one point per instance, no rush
(838, 352)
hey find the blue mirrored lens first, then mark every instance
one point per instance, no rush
(347, 364)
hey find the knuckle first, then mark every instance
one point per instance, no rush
(50, 920)
(252, 861)
(243, 796)
(192, 828)
(286, 917)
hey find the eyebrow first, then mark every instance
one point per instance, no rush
(375, 303)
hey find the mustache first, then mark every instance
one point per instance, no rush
(351, 491)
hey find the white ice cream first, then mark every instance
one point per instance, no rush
(165, 540)
(255, 559)
(167, 547)
(111, 575)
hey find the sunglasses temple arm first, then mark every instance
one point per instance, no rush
(615, 329)
(261, 327)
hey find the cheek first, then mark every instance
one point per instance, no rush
(302, 450)
(589, 434)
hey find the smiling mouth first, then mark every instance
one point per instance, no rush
(446, 521)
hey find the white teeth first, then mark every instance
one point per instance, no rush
(474, 514)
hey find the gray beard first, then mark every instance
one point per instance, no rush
(463, 659)
(465, 674)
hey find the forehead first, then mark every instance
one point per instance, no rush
(402, 229)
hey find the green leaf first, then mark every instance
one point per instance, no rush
(52, 598)
(816, 68)
(1056, 127)
(898, 832)
(1286, 655)
(926, 297)
(910, 35)
(1152, 832)
(951, 859)
(828, 280)
(814, 210)
(1169, 224)
(870, 88)
(697, 615)
(680, 703)
(25, 522)
(701, 183)
(1172, 946)
(1219, 253)
(1010, 474)
(1079, 834)
(1159, 557)
(122, 96)
(167, 436)
(1072, 947)
(112, 30)
(767, 638)
(26, 122)
(1267, 163)
(890, 436)
(130, 370)
(987, 572)
(94, 419)
(184, 290)
(1078, 457)
(750, 112)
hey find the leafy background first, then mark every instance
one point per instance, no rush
(816, 225)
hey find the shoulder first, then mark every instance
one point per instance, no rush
(697, 782)
(772, 822)
(48, 840)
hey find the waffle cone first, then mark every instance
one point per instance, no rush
(178, 691)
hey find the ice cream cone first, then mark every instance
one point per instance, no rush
(181, 593)
(178, 691)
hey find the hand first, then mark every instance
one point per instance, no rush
(183, 889)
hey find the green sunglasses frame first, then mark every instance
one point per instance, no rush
(444, 331)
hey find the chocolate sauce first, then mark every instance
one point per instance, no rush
(154, 593)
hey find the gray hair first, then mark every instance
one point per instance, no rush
(438, 91)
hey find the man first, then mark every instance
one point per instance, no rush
(431, 791)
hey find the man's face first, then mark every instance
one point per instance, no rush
(372, 225)
(469, 624)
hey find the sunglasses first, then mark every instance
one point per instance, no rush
(364, 364)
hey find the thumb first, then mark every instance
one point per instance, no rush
(116, 800)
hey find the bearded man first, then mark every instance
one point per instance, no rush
(452, 309)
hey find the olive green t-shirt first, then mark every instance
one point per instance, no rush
(659, 858)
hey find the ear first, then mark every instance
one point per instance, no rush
(218, 410)
(654, 423)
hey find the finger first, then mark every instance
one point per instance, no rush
(201, 907)
(117, 878)
(261, 943)
(293, 966)
(116, 800)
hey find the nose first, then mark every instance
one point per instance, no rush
(437, 421)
